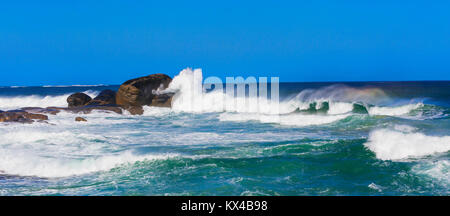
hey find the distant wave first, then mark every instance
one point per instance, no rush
(49, 86)
(8, 103)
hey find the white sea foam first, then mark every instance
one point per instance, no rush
(156, 111)
(290, 119)
(191, 96)
(339, 107)
(438, 170)
(21, 163)
(396, 145)
(394, 111)
(9, 103)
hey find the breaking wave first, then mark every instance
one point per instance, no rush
(20, 163)
(396, 145)
(289, 120)
(192, 96)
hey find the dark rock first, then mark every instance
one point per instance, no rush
(141, 91)
(78, 99)
(21, 116)
(135, 110)
(162, 100)
(1, 111)
(106, 97)
(13, 117)
(35, 116)
(80, 119)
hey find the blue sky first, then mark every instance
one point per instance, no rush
(108, 42)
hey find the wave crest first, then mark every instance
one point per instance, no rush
(14, 163)
(397, 145)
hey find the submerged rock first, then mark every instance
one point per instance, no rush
(78, 99)
(106, 97)
(80, 119)
(142, 91)
(40, 110)
(89, 109)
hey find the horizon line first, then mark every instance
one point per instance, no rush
(100, 85)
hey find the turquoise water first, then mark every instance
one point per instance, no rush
(398, 145)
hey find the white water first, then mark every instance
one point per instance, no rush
(394, 111)
(10, 103)
(288, 120)
(396, 145)
(192, 97)
(68, 147)
(21, 163)
(439, 170)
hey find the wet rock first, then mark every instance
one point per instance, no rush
(78, 99)
(142, 91)
(21, 116)
(135, 110)
(80, 119)
(106, 97)
(162, 100)
(36, 116)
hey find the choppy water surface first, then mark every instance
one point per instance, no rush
(331, 139)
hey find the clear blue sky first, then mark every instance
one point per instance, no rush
(108, 42)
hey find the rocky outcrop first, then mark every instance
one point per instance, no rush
(106, 97)
(21, 116)
(78, 99)
(80, 119)
(142, 91)
(132, 96)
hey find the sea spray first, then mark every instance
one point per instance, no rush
(191, 95)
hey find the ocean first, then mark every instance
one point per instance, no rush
(343, 138)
